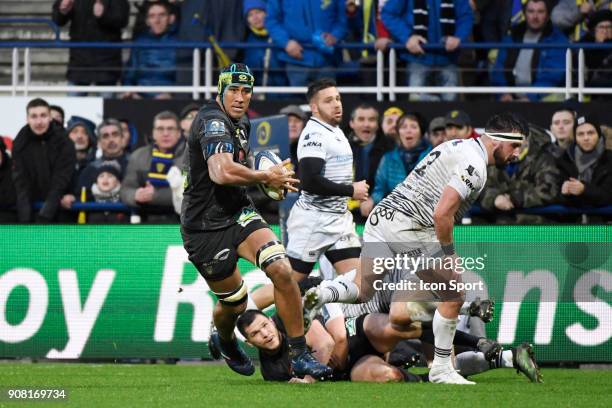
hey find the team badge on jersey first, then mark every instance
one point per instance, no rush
(215, 127)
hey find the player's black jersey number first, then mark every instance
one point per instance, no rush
(420, 171)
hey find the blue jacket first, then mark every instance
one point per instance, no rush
(391, 172)
(254, 58)
(547, 65)
(298, 20)
(151, 66)
(398, 17)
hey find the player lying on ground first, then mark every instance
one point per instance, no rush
(418, 218)
(478, 353)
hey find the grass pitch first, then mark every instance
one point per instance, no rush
(124, 385)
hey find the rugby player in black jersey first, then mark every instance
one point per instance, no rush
(219, 224)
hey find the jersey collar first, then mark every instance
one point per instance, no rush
(326, 126)
(483, 151)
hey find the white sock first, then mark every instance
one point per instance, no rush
(444, 332)
(472, 362)
(506, 360)
(340, 290)
(251, 303)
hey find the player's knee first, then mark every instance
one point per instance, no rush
(280, 273)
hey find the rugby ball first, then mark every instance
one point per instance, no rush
(263, 161)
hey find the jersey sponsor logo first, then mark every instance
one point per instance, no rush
(247, 216)
(351, 326)
(312, 144)
(215, 127)
(468, 182)
(381, 213)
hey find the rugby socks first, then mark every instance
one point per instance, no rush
(340, 290)
(444, 332)
(503, 360)
(297, 345)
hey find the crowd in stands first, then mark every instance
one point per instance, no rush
(49, 168)
(303, 38)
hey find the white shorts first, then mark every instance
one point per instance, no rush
(312, 233)
(390, 232)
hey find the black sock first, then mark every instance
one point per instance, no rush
(465, 339)
(297, 345)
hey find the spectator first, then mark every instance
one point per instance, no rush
(264, 62)
(399, 162)
(368, 146)
(586, 167)
(43, 163)
(495, 18)
(531, 67)
(129, 134)
(188, 114)
(145, 186)
(8, 198)
(437, 131)
(296, 119)
(106, 190)
(459, 126)
(110, 142)
(562, 128)
(140, 24)
(389, 122)
(359, 66)
(57, 114)
(532, 181)
(153, 66)
(293, 24)
(221, 19)
(84, 143)
(599, 62)
(383, 37)
(93, 20)
(570, 15)
(418, 22)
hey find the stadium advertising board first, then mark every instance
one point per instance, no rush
(70, 292)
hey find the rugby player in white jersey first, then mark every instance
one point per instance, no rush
(418, 217)
(320, 223)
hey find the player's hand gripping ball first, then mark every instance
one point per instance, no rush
(263, 161)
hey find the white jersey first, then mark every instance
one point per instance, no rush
(461, 164)
(329, 143)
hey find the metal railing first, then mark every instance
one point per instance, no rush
(391, 89)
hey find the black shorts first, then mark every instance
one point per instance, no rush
(358, 343)
(214, 253)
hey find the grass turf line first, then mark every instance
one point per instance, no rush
(110, 385)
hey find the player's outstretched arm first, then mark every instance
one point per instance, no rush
(224, 171)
